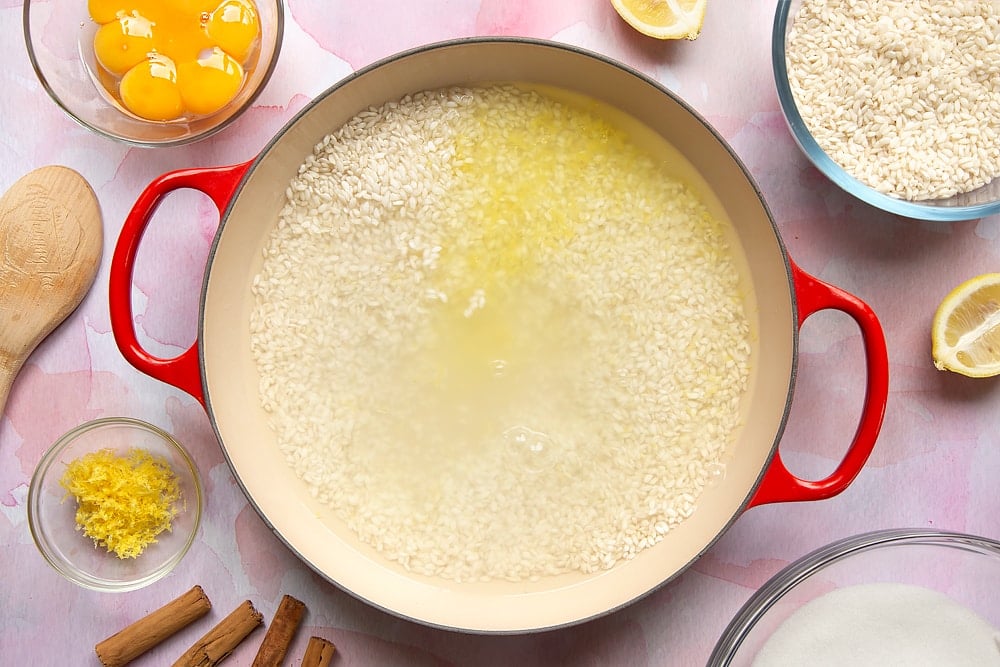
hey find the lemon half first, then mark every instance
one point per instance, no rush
(663, 19)
(965, 333)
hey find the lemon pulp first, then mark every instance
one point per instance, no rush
(965, 333)
(663, 19)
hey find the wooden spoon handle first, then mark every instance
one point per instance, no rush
(6, 380)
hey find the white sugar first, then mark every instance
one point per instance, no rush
(882, 625)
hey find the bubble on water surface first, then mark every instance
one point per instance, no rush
(534, 449)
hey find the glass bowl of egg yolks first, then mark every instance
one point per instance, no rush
(153, 72)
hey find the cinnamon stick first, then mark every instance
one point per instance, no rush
(132, 641)
(221, 640)
(280, 633)
(319, 653)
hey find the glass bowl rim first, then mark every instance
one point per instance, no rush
(44, 81)
(825, 164)
(790, 576)
(68, 569)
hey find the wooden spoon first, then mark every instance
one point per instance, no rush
(51, 239)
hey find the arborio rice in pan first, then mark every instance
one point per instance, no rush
(496, 338)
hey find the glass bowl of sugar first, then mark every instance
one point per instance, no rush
(891, 597)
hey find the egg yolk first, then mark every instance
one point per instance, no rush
(104, 11)
(174, 39)
(209, 83)
(123, 43)
(150, 89)
(234, 27)
(174, 59)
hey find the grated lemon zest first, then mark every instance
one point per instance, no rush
(123, 502)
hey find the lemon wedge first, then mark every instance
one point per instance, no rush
(965, 332)
(663, 19)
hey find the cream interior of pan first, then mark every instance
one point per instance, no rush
(231, 381)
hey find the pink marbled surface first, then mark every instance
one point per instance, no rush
(935, 464)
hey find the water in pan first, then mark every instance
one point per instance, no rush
(498, 336)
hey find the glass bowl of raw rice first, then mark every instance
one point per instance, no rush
(889, 597)
(896, 102)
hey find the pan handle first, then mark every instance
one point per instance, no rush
(778, 484)
(182, 371)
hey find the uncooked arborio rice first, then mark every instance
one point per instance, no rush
(903, 94)
(496, 338)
